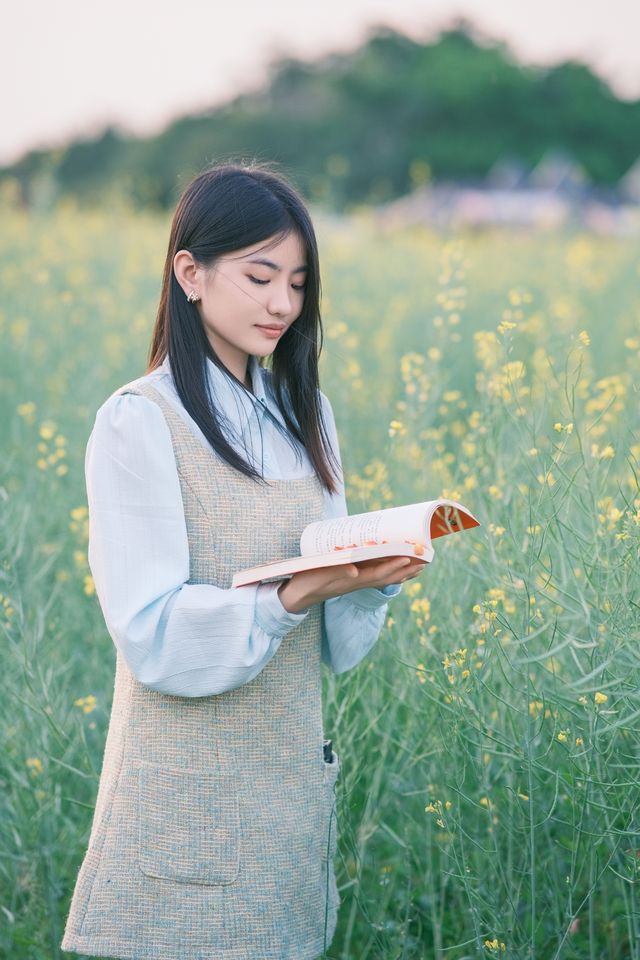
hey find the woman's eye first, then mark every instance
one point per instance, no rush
(262, 282)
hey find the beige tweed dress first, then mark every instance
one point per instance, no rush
(214, 828)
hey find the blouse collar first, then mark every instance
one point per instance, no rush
(235, 403)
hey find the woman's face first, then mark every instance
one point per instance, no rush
(245, 305)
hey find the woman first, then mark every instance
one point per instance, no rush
(214, 831)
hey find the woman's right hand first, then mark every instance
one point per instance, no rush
(313, 586)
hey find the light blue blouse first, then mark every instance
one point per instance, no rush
(195, 640)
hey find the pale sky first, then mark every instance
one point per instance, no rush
(70, 67)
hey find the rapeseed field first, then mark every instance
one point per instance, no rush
(490, 742)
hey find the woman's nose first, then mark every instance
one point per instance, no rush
(280, 300)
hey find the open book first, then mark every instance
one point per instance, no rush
(395, 532)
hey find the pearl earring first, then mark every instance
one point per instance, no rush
(193, 297)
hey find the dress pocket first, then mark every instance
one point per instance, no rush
(189, 824)
(330, 820)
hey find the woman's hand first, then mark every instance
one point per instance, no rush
(313, 586)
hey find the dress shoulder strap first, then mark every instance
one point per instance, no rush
(183, 438)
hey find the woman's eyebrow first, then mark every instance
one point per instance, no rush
(274, 266)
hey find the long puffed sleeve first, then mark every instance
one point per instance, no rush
(351, 623)
(189, 640)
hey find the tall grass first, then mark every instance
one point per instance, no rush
(488, 802)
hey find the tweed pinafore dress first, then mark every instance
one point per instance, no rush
(214, 829)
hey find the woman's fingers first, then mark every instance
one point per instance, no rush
(322, 583)
(411, 570)
(378, 572)
(386, 570)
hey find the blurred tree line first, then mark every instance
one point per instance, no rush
(362, 127)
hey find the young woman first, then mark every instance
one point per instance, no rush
(214, 828)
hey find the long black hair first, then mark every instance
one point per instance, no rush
(225, 208)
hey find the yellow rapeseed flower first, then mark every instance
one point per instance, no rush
(600, 698)
(422, 607)
(35, 765)
(396, 426)
(26, 409)
(47, 430)
(495, 944)
(88, 704)
(547, 478)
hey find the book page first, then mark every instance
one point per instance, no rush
(410, 522)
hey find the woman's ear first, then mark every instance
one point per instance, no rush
(186, 271)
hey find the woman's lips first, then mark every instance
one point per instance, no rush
(273, 332)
